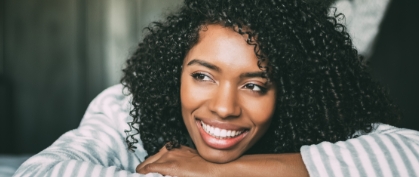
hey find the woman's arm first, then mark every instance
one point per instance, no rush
(185, 161)
(289, 165)
(95, 148)
(388, 151)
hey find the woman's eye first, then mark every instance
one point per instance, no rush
(201, 77)
(255, 88)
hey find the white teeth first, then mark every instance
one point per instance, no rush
(217, 131)
(223, 132)
(220, 133)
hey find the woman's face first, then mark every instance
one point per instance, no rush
(227, 104)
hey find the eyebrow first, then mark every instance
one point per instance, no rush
(260, 74)
(204, 63)
(253, 74)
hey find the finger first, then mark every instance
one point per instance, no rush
(165, 168)
(186, 148)
(153, 158)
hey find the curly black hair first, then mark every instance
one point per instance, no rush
(324, 92)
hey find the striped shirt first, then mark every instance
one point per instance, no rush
(97, 148)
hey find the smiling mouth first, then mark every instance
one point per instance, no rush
(220, 133)
(220, 138)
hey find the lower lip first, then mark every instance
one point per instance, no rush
(216, 143)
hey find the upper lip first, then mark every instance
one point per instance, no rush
(223, 125)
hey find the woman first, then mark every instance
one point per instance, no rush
(239, 88)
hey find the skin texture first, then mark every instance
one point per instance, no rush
(224, 95)
(185, 161)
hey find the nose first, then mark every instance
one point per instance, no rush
(224, 102)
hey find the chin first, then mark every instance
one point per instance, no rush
(219, 158)
(217, 155)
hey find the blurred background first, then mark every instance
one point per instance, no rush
(56, 56)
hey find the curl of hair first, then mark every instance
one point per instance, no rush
(324, 92)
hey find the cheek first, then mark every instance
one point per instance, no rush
(261, 111)
(191, 96)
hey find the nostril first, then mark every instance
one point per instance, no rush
(224, 102)
(227, 110)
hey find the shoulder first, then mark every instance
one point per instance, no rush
(112, 107)
(112, 102)
(404, 133)
(369, 154)
(112, 95)
(110, 110)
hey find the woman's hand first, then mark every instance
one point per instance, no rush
(183, 161)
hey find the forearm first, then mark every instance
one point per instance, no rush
(76, 155)
(264, 165)
(95, 148)
(71, 168)
(386, 151)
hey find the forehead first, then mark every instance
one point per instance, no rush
(224, 46)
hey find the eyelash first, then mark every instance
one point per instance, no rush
(201, 76)
(262, 90)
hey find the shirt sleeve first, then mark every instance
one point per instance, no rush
(96, 148)
(387, 151)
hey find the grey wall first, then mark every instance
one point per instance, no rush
(42, 63)
(56, 56)
(395, 61)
